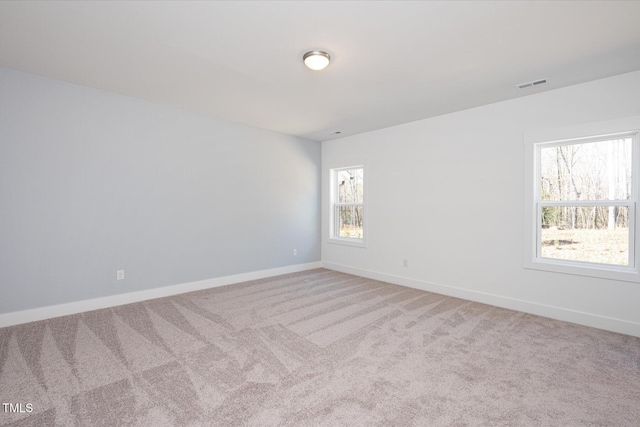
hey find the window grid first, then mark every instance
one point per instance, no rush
(348, 204)
(612, 203)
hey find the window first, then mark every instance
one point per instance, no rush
(582, 206)
(347, 194)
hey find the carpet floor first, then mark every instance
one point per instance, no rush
(315, 348)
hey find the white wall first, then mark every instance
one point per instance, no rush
(92, 182)
(446, 193)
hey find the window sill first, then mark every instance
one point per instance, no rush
(360, 243)
(625, 274)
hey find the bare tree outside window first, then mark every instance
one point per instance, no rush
(349, 203)
(583, 189)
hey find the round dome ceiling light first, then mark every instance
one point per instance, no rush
(316, 59)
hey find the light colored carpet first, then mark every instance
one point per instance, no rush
(316, 348)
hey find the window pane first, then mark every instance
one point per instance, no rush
(590, 171)
(350, 188)
(586, 233)
(350, 221)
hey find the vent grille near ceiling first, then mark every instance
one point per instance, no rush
(531, 84)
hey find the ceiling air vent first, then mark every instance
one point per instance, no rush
(531, 84)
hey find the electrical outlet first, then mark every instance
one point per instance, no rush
(120, 275)
(295, 252)
(405, 263)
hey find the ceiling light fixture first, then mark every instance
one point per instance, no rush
(316, 59)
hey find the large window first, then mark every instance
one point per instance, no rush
(583, 207)
(585, 199)
(348, 204)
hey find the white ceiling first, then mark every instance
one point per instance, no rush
(393, 62)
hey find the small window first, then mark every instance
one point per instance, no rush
(348, 204)
(584, 206)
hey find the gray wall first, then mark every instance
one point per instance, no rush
(92, 182)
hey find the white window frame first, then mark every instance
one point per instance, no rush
(334, 236)
(534, 142)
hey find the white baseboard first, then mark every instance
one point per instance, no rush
(559, 313)
(41, 313)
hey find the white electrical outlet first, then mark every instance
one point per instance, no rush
(295, 252)
(120, 275)
(405, 263)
